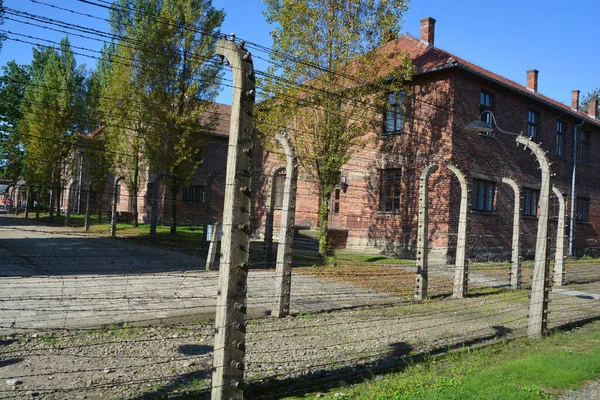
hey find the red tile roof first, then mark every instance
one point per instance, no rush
(427, 59)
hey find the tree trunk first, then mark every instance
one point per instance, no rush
(323, 220)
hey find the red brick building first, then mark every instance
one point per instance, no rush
(376, 204)
(200, 203)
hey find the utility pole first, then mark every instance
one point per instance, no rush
(230, 320)
(283, 269)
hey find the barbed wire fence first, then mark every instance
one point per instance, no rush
(350, 320)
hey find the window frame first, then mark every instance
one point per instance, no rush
(190, 194)
(583, 209)
(483, 193)
(560, 138)
(395, 112)
(533, 123)
(584, 146)
(390, 203)
(484, 99)
(530, 199)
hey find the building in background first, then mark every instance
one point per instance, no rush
(375, 207)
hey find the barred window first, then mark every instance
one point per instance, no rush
(394, 120)
(529, 203)
(483, 195)
(193, 194)
(560, 139)
(532, 124)
(583, 210)
(390, 190)
(486, 102)
(583, 146)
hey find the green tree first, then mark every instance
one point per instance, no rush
(51, 115)
(585, 101)
(328, 83)
(13, 82)
(172, 82)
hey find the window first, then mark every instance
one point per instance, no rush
(279, 185)
(390, 190)
(485, 104)
(583, 210)
(193, 194)
(583, 146)
(335, 201)
(529, 202)
(483, 195)
(118, 194)
(555, 210)
(560, 139)
(394, 120)
(532, 124)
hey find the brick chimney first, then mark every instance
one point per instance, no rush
(428, 31)
(593, 108)
(575, 100)
(532, 80)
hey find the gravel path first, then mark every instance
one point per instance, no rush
(310, 349)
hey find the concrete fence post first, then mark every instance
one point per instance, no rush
(113, 220)
(38, 196)
(154, 207)
(423, 234)
(17, 192)
(230, 319)
(283, 269)
(516, 277)
(540, 286)
(86, 221)
(27, 194)
(212, 249)
(269, 221)
(461, 270)
(559, 256)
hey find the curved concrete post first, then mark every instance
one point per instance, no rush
(423, 234)
(17, 194)
(461, 270)
(154, 207)
(269, 221)
(27, 195)
(230, 319)
(212, 249)
(38, 198)
(283, 268)
(86, 221)
(540, 288)
(515, 269)
(559, 257)
(113, 220)
(68, 203)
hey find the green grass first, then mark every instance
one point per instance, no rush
(516, 370)
(185, 233)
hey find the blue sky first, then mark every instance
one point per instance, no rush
(508, 37)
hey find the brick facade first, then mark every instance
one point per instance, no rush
(444, 99)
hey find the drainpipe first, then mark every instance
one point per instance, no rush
(572, 213)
